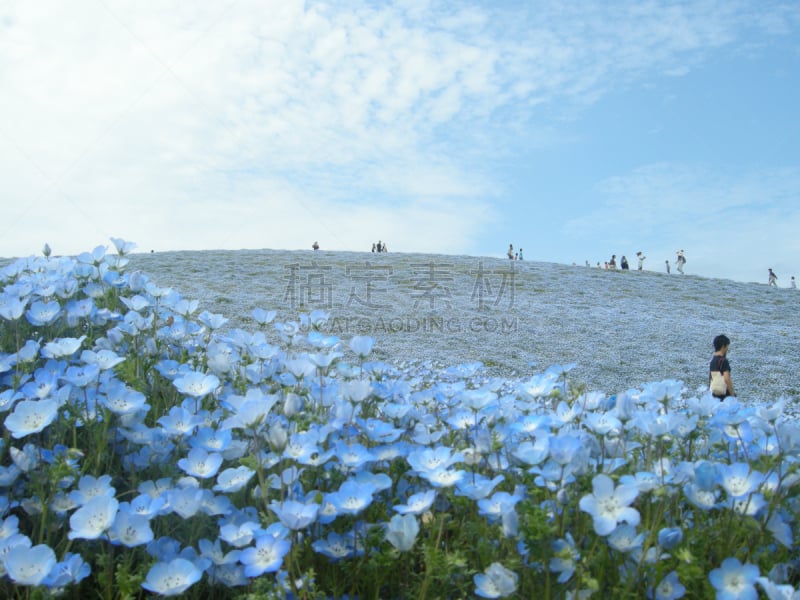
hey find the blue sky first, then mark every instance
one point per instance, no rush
(575, 130)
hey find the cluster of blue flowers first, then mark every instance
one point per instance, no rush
(127, 413)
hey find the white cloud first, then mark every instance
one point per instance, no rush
(118, 115)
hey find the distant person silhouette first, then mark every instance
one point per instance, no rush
(641, 258)
(792, 283)
(510, 252)
(315, 246)
(719, 363)
(667, 263)
(623, 263)
(773, 279)
(681, 261)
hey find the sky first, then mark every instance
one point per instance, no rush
(572, 129)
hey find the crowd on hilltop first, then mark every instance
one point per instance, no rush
(624, 265)
(512, 254)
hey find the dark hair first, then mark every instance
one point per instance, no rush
(720, 342)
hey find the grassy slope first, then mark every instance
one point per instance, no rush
(621, 328)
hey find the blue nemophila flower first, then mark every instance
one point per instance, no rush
(603, 423)
(352, 497)
(700, 497)
(95, 257)
(266, 557)
(251, 412)
(29, 565)
(27, 458)
(11, 306)
(196, 384)
(239, 533)
(31, 416)
(144, 505)
(164, 549)
(8, 475)
(61, 504)
(670, 537)
(78, 309)
(429, 459)
(625, 539)
(609, 505)
(8, 398)
(780, 529)
(72, 569)
(738, 480)
(533, 452)
(361, 345)
(498, 505)
(735, 581)
(213, 552)
(232, 480)
(381, 481)
(565, 557)
(304, 448)
(104, 359)
(747, 505)
(44, 384)
(775, 591)
(123, 247)
(324, 360)
(173, 577)
(28, 352)
(352, 456)
(90, 487)
(130, 529)
(263, 317)
(200, 463)
(336, 546)
(477, 486)
(92, 519)
(210, 439)
(669, 588)
(295, 515)
(62, 347)
(417, 503)
(211, 320)
(444, 477)
(495, 582)
(180, 421)
(401, 532)
(565, 448)
(185, 501)
(122, 400)
(356, 391)
(82, 375)
(43, 313)
(300, 366)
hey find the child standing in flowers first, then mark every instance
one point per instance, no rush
(719, 363)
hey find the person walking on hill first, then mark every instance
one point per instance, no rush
(510, 252)
(792, 283)
(681, 261)
(623, 263)
(719, 376)
(773, 279)
(667, 263)
(641, 258)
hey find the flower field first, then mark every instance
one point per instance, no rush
(151, 447)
